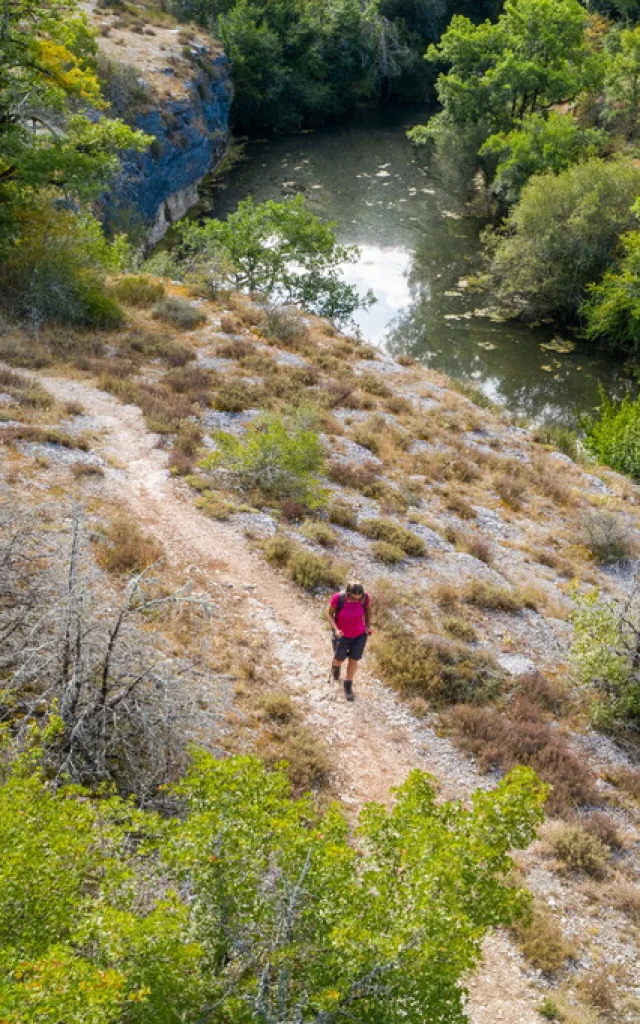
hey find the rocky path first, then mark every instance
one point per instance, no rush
(375, 742)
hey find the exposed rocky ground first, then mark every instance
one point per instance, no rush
(496, 530)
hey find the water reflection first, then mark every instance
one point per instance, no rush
(418, 243)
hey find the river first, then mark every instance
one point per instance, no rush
(419, 244)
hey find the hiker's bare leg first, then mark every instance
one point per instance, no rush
(351, 669)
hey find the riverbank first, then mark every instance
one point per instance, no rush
(464, 528)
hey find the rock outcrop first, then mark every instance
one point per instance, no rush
(175, 85)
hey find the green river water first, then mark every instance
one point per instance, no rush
(418, 241)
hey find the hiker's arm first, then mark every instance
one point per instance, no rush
(331, 615)
(367, 615)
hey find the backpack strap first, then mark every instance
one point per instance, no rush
(341, 603)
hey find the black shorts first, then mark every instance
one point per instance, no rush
(349, 647)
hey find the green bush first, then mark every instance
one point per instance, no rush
(320, 533)
(234, 396)
(342, 514)
(392, 533)
(311, 571)
(438, 670)
(180, 312)
(613, 437)
(490, 596)
(129, 915)
(558, 436)
(391, 554)
(278, 549)
(281, 457)
(137, 290)
(562, 236)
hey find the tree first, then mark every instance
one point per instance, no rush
(561, 237)
(248, 905)
(537, 144)
(613, 435)
(49, 148)
(535, 55)
(612, 309)
(279, 249)
(622, 82)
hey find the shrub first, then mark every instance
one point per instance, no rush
(236, 396)
(86, 469)
(499, 740)
(625, 896)
(613, 437)
(189, 438)
(126, 548)
(278, 549)
(311, 571)
(186, 379)
(571, 221)
(606, 535)
(137, 290)
(293, 511)
(279, 456)
(542, 941)
(604, 828)
(367, 439)
(229, 324)
(179, 312)
(285, 325)
(579, 850)
(558, 436)
(342, 514)
(358, 475)
(391, 554)
(392, 533)
(476, 546)
(460, 628)
(320, 533)
(489, 596)
(374, 385)
(459, 506)
(442, 672)
(509, 490)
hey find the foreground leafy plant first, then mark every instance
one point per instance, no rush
(281, 456)
(250, 902)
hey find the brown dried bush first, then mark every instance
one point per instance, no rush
(342, 514)
(392, 533)
(356, 475)
(625, 896)
(542, 941)
(510, 490)
(578, 849)
(603, 827)
(489, 596)
(81, 470)
(126, 548)
(500, 741)
(230, 324)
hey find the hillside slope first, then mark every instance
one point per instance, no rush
(502, 519)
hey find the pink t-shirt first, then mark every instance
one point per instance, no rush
(350, 620)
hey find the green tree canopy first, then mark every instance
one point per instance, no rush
(539, 143)
(562, 236)
(50, 148)
(612, 309)
(536, 54)
(248, 905)
(279, 249)
(622, 82)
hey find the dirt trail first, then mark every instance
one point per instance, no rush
(374, 742)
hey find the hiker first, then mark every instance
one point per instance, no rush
(350, 617)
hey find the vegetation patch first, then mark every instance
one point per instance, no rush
(439, 670)
(578, 849)
(392, 533)
(126, 548)
(390, 554)
(499, 740)
(179, 312)
(542, 941)
(137, 290)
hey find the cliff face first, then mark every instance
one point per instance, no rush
(174, 83)
(191, 136)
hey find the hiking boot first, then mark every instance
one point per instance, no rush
(348, 689)
(335, 671)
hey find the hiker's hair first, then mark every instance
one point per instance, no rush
(355, 588)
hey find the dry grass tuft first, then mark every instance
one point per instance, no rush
(285, 738)
(391, 533)
(488, 596)
(342, 514)
(319, 533)
(578, 849)
(126, 548)
(83, 470)
(356, 475)
(542, 941)
(390, 554)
